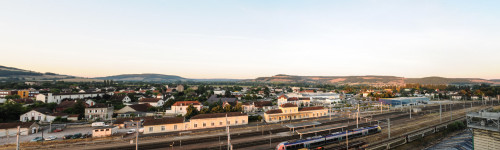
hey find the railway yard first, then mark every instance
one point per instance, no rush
(268, 136)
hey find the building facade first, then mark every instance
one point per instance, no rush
(180, 107)
(99, 111)
(290, 111)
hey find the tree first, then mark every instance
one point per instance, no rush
(15, 96)
(238, 108)
(191, 111)
(227, 108)
(216, 109)
(266, 91)
(227, 93)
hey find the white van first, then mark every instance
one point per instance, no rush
(98, 124)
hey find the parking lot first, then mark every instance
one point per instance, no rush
(59, 135)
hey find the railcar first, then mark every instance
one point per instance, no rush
(316, 141)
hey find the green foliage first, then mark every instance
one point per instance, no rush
(15, 96)
(11, 111)
(255, 118)
(191, 111)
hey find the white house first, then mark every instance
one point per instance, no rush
(181, 107)
(156, 102)
(90, 102)
(219, 92)
(41, 114)
(121, 97)
(57, 98)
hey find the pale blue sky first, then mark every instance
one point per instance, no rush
(248, 39)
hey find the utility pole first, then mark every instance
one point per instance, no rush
(389, 126)
(451, 110)
(330, 111)
(357, 117)
(410, 111)
(229, 147)
(17, 140)
(137, 136)
(440, 112)
(380, 107)
(347, 139)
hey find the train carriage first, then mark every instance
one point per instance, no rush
(317, 141)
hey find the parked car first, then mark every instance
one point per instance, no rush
(67, 136)
(131, 131)
(78, 135)
(50, 138)
(37, 139)
(58, 130)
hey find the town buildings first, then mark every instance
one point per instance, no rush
(290, 111)
(181, 107)
(41, 114)
(103, 131)
(136, 110)
(485, 129)
(26, 128)
(155, 102)
(99, 112)
(57, 98)
(201, 121)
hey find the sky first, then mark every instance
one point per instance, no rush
(249, 39)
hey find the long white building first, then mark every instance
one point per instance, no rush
(57, 98)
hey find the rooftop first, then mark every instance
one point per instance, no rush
(218, 115)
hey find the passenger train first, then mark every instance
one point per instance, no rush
(313, 142)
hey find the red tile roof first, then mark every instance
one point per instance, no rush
(218, 115)
(288, 105)
(304, 98)
(274, 111)
(282, 96)
(186, 103)
(293, 99)
(311, 108)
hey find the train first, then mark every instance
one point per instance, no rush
(408, 138)
(317, 141)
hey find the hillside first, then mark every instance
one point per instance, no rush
(143, 77)
(369, 80)
(21, 74)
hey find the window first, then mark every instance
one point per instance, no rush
(180, 108)
(39, 117)
(96, 130)
(195, 125)
(162, 128)
(150, 129)
(175, 127)
(242, 121)
(102, 110)
(102, 129)
(96, 111)
(204, 124)
(90, 111)
(213, 123)
(107, 129)
(220, 123)
(228, 122)
(236, 122)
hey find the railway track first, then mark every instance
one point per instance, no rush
(396, 115)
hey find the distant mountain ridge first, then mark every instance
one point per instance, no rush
(370, 80)
(146, 77)
(374, 80)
